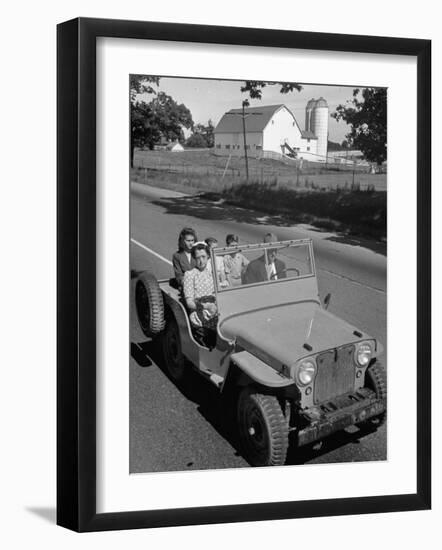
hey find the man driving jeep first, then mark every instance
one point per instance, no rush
(263, 269)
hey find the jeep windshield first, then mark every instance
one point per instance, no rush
(264, 263)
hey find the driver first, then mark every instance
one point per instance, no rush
(258, 270)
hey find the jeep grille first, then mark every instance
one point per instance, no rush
(335, 374)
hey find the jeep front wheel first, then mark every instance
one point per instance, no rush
(172, 352)
(376, 380)
(263, 429)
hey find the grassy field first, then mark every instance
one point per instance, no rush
(194, 165)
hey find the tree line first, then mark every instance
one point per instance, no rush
(162, 118)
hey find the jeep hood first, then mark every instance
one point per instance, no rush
(285, 334)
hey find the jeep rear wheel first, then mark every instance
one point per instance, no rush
(149, 304)
(376, 380)
(172, 352)
(263, 428)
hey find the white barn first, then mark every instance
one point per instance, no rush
(269, 128)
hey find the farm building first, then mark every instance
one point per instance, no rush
(175, 146)
(273, 130)
(165, 145)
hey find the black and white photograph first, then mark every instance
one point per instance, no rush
(258, 274)
(223, 224)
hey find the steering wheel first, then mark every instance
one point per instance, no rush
(273, 275)
(293, 269)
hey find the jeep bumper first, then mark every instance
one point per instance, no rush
(337, 414)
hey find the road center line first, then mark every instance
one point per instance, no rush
(151, 251)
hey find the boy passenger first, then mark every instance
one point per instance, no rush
(219, 262)
(235, 264)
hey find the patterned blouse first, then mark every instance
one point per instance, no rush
(198, 283)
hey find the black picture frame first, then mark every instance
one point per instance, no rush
(76, 274)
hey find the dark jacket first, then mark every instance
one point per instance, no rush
(256, 271)
(180, 265)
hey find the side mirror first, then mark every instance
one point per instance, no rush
(327, 301)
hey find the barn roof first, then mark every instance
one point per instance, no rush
(259, 117)
(308, 134)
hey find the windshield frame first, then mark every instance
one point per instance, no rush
(264, 247)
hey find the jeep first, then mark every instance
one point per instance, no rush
(300, 372)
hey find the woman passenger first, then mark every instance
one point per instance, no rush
(199, 295)
(182, 259)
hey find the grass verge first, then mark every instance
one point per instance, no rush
(353, 211)
(350, 210)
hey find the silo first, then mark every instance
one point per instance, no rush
(319, 125)
(308, 114)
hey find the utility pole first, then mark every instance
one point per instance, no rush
(244, 135)
(326, 153)
(243, 114)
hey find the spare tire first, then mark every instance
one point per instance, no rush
(149, 304)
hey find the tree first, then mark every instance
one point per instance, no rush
(145, 131)
(206, 132)
(367, 115)
(161, 117)
(140, 84)
(209, 133)
(170, 116)
(142, 132)
(203, 136)
(255, 87)
(197, 140)
(334, 146)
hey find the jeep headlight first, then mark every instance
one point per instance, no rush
(363, 354)
(305, 373)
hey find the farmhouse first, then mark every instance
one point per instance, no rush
(272, 130)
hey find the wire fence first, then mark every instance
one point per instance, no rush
(204, 164)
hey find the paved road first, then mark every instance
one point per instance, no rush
(193, 427)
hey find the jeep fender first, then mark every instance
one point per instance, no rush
(189, 346)
(259, 371)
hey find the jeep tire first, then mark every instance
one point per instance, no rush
(149, 304)
(174, 359)
(376, 380)
(263, 428)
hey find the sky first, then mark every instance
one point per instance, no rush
(210, 99)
